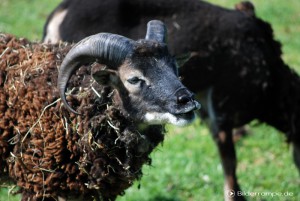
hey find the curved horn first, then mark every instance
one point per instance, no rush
(156, 30)
(109, 49)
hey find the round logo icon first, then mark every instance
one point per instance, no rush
(231, 193)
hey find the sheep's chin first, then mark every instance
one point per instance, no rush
(165, 118)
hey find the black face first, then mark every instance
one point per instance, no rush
(155, 95)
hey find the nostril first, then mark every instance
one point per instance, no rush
(183, 99)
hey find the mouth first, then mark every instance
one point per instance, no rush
(188, 110)
(182, 119)
(179, 118)
(187, 116)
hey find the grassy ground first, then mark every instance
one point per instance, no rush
(187, 166)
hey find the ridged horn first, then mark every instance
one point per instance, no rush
(156, 30)
(108, 49)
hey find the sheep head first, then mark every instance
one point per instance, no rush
(143, 73)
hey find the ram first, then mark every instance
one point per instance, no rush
(117, 114)
(232, 61)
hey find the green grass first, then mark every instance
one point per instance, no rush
(187, 166)
(25, 18)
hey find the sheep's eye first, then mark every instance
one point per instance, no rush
(134, 80)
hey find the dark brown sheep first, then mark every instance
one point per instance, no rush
(49, 153)
(52, 154)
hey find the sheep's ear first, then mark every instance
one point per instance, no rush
(183, 58)
(106, 77)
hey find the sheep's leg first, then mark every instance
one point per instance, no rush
(224, 141)
(296, 154)
(225, 144)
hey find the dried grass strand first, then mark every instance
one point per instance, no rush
(45, 108)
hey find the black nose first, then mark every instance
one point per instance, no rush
(184, 99)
